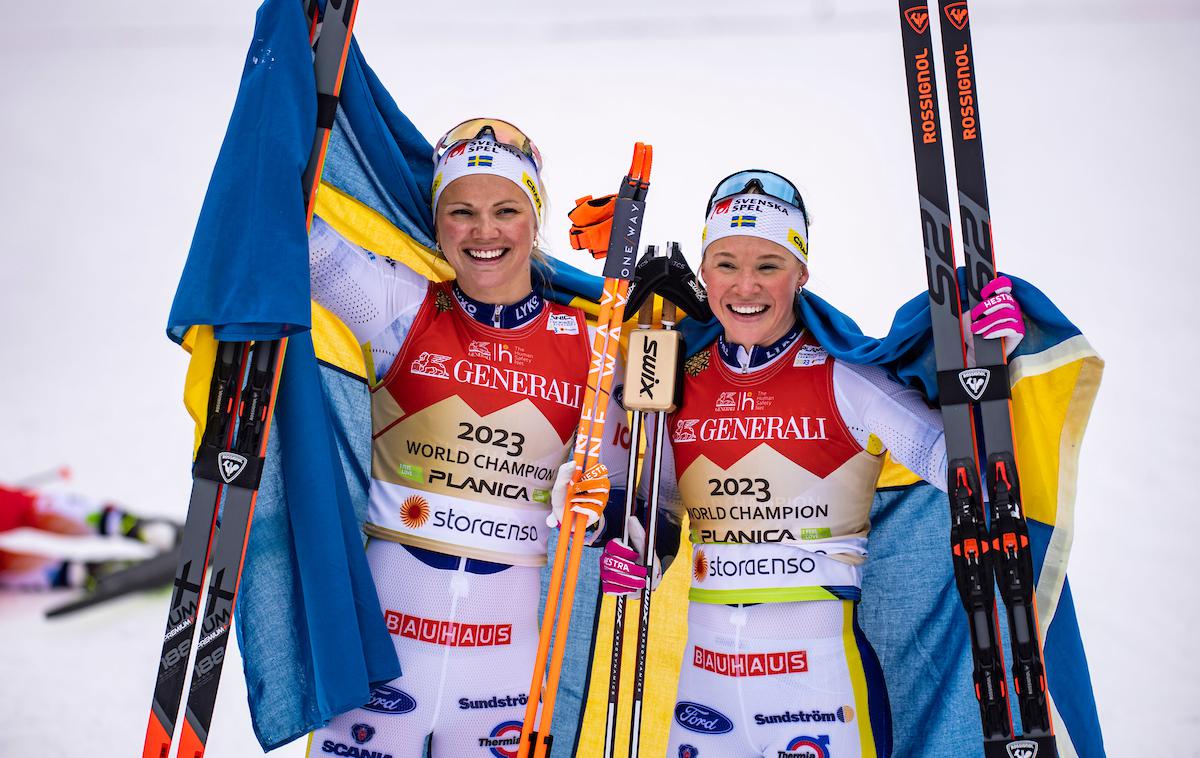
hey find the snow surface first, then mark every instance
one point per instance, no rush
(114, 113)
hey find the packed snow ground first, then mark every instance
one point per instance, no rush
(115, 112)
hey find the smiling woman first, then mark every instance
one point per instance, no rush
(477, 389)
(774, 454)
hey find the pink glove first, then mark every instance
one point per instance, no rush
(999, 315)
(621, 572)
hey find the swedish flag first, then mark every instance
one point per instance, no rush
(737, 221)
(479, 160)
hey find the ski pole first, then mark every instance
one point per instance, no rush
(657, 383)
(618, 268)
(39, 478)
(645, 319)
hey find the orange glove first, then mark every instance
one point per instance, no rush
(591, 224)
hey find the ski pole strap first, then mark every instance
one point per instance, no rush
(326, 110)
(973, 385)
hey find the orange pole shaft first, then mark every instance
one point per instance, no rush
(569, 552)
(583, 441)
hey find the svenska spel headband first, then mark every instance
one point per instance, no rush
(501, 131)
(757, 203)
(486, 151)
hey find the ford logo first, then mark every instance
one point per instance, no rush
(387, 699)
(700, 718)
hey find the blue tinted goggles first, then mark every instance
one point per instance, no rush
(760, 182)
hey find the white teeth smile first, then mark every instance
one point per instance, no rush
(485, 255)
(747, 310)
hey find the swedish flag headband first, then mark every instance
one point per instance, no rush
(486, 156)
(762, 216)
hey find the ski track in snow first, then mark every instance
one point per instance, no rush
(116, 112)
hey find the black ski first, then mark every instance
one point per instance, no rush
(242, 469)
(1011, 559)
(149, 574)
(979, 557)
(237, 470)
(195, 543)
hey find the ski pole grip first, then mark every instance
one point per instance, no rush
(646, 313)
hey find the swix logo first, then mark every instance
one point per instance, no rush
(700, 566)
(431, 364)
(806, 747)
(230, 465)
(1022, 749)
(918, 18)
(685, 430)
(975, 381)
(504, 740)
(646, 378)
(723, 206)
(414, 511)
(956, 13)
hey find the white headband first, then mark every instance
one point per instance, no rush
(485, 156)
(762, 216)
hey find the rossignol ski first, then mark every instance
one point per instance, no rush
(981, 556)
(231, 462)
(536, 737)
(223, 396)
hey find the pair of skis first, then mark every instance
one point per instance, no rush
(229, 462)
(536, 736)
(982, 555)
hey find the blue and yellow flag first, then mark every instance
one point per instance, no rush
(308, 616)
